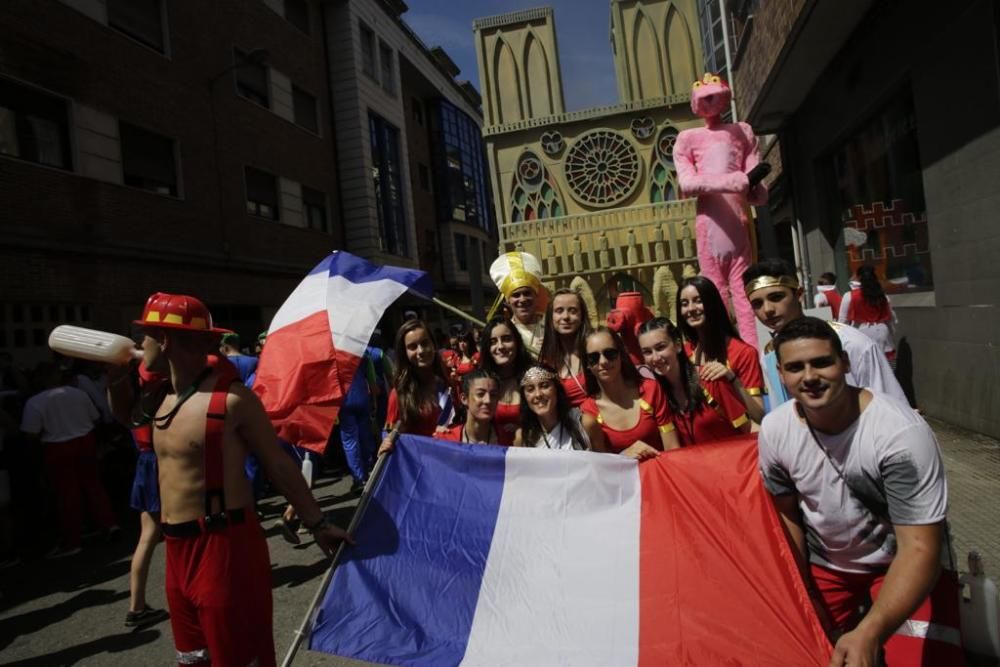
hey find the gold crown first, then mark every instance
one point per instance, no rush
(709, 78)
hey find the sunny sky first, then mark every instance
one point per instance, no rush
(582, 32)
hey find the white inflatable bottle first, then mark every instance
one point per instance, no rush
(93, 345)
(980, 620)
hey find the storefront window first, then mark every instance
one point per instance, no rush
(878, 199)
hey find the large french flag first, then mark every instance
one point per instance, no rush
(485, 555)
(317, 338)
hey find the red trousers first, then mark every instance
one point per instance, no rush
(931, 636)
(72, 470)
(219, 593)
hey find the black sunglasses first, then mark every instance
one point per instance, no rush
(594, 358)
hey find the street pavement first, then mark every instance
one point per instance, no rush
(72, 611)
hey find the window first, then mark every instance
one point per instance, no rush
(148, 160)
(314, 209)
(425, 176)
(461, 254)
(141, 20)
(304, 105)
(387, 61)
(461, 189)
(876, 199)
(418, 111)
(262, 194)
(367, 50)
(251, 79)
(386, 174)
(34, 126)
(297, 13)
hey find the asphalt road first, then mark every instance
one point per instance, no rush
(72, 611)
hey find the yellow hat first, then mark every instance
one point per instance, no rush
(514, 270)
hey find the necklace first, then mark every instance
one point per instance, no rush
(467, 439)
(545, 436)
(162, 422)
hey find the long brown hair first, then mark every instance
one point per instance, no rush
(718, 328)
(629, 372)
(405, 380)
(552, 351)
(531, 427)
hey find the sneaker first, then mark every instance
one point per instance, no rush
(60, 552)
(145, 616)
(288, 531)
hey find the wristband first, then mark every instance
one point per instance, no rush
(319, 525)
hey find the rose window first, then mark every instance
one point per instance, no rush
(602, 168)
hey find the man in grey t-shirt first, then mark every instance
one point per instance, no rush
(858, 481)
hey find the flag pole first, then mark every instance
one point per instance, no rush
(461, 313)
(306, 627)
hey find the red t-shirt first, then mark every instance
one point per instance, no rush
(576, 389)
(720, 415)
(742, 358)
(426, 425)
(507, 421)
(654, 418)
(862, 312)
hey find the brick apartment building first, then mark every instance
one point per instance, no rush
(195, 147)
(159, 146)
(888, 120)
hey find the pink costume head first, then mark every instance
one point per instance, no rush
(710, 96)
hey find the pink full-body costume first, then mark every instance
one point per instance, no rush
(712, 164)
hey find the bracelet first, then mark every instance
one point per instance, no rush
(319, 525)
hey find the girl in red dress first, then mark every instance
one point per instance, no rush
(703, 410)
(420, 390)
(713, 344)
(502, 353)
(567, 324)
(868, 310)
(623, 413)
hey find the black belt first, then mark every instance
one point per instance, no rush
(208, 524)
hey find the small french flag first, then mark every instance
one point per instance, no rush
(484, 555)
(317, 338)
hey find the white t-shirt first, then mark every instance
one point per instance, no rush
(563, 438)
(59, 414)
(891, 459)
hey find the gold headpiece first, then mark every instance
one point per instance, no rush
(771, 281)
(537, 374)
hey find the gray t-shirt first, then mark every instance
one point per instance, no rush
(891, 459)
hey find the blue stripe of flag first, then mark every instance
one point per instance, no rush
(358, 270)
(419, 560)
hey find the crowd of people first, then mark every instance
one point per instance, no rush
(541, 374)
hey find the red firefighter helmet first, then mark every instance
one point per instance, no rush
(178, 311)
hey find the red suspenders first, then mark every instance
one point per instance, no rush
(215, 427)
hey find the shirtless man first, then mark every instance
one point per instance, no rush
(218, 580)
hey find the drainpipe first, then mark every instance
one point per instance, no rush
(724, 17)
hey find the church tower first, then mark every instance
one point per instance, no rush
(518, 66)
(656, 45)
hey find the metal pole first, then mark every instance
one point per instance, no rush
(460, 313)
(306, 627)
(724, 17)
